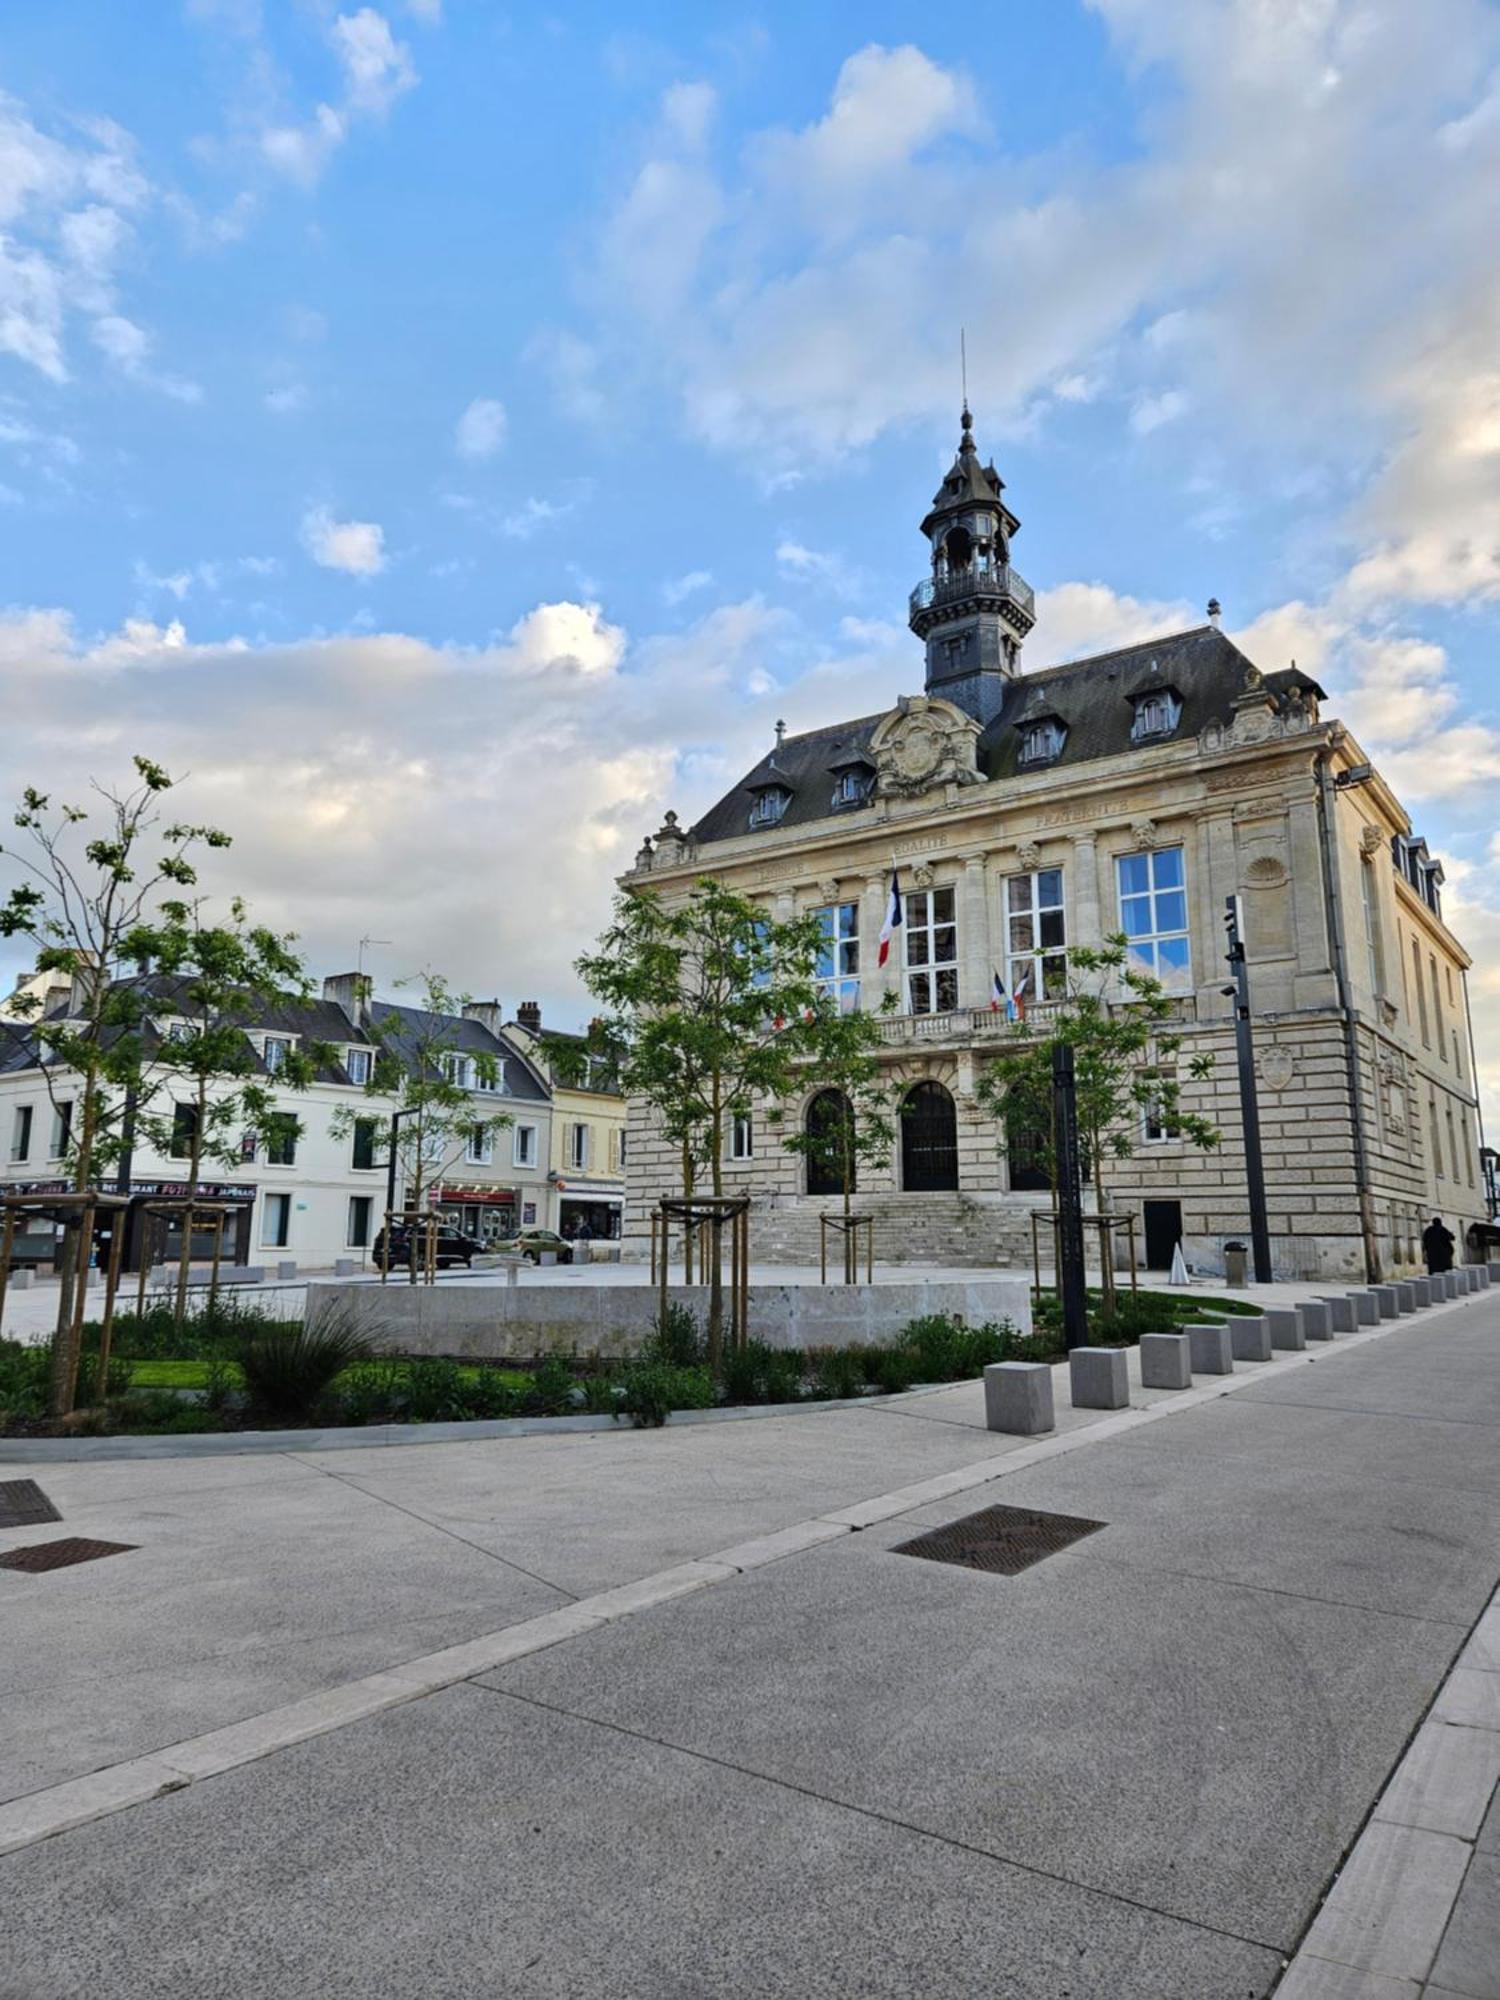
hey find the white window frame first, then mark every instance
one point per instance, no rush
(496, 1084)
(359, 1065)
(1156, 714)
(458, 1070)
(1042, 742)
(523, 1146)
(768, 808)
(1144, 946)
(351, 1241)
(1038, 969)
(837, 970)
(578, 1146)
(1155, 1131)
(931, 977)
(741, 1136)
(275, 1203)
(479, 1150)
(22, 1125)
(276, 1063)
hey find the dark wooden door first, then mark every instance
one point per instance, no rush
(828, 1111)
(1163, 1233)
(929, 1140)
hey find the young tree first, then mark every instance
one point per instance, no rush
(707, 1002)
(424, 1080)
(84, 887)
(842, 1057)
(213, 982)
(1124, 1053)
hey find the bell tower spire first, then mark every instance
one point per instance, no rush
(975, 609)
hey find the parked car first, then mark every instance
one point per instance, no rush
(453, 1247)
(532, 1242)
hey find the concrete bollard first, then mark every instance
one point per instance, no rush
(1018, 1397)
(1471, 1276)
(1406, 1295)
(1421, 1289)
(1340, 1312)
(345, 1267)
(1366, 1308)
(1099, 1378)
(286, 1268)
(1166, 1361)
(1450, 1284)
(1493, 1267)
(1249, 1337)
(1482, 1272)
(1211, 1349)
(1286, 1327)
(1317, 1322)
(1386, 1301)
(513, 1273)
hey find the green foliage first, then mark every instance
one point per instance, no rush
(1132, 1314)
(651, 1390)
(945, 1350)
(212, 1325)
(289, 1371)
(757, 1373)
(842, 1055)
(551, 1391)
(24, 1373)
(676, 1338)
(414, 1077)
(835, 1373)
(1118, 1023)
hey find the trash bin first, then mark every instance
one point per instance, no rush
(1234, 1263)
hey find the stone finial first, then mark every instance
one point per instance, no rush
(1214, 611)
(780, 733)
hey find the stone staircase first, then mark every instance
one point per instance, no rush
(946, 1229)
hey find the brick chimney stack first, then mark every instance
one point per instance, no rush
(529, 1017)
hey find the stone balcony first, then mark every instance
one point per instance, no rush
(987, 1024)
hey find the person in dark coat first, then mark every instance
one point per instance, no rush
(1437, 1245)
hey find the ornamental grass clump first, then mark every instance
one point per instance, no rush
(289, 1370)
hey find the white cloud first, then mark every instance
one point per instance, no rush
(481, 429)
(287, 400)
(376, 70)
(1151, 412)
(357, 547)
(128, 346)
(676, 589)
(531, 515)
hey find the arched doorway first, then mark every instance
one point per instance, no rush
(929, 1140)
(1026, 1150)
(826, 1113)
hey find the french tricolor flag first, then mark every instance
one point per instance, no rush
(893, 918)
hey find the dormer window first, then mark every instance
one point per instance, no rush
(1042, 741)
(852, 788)
(274, 1053)
(1156, 714)
(768, 808)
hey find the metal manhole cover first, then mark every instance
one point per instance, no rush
(1003, 1539)
(23, 1504)
(58, 1555)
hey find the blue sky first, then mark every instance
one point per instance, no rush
(456, 435)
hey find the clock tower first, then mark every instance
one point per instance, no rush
(974, 610)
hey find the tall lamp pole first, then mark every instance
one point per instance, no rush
(1069, 1197)
(1244, 1050)
(390, 1165)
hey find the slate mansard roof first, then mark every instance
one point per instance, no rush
(1091, 696)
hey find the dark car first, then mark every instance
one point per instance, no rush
(453, 1247)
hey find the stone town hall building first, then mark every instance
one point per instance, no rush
(1031, 812)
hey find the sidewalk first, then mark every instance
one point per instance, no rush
(714, 1733)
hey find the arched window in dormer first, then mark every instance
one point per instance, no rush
(1157, 713)
(1042, 741)
(768, 808)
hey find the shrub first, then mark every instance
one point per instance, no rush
(892, 1369)
(432, 1391)
(675, 1339)
(24, 1374)
(651, 1390)
(369, 1391)
(551, 1391)
(290, 1368)
(757, 1373)
(163, 1411)
(489, 1395)
(835, 1372)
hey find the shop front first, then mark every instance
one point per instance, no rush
(166, 1229)
(595, 1206)
(488, 1214)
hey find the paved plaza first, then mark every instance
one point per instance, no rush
(672, 1713)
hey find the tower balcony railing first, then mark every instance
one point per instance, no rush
(999, 580)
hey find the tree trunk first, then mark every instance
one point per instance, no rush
(1106, 1237)
(63, 1385)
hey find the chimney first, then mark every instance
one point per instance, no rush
(1214, 611)
(529, 1017)
(485, 1012)
(351, 991)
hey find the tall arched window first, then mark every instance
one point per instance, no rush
(827, 1114)
(929, 1140)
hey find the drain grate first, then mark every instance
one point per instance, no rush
(1003, 1539)
(58, 1555)
(23, 1504)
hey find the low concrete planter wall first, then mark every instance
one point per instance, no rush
(504, 1322)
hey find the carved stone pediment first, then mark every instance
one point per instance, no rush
(924, 744)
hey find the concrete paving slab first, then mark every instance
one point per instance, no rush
(1470, 1699)
(1468, 1960)
(1446, 1780)
(1320, 1979)
(1488, 1841)
(1124, 1754)
(508, 1850)
(1387, 1910)
(39, 1816)
(1483, 1650)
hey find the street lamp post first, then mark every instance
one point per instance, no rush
(1244, 1049)
(1069, 1198)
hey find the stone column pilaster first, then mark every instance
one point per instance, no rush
(873, 983)
(974, 949)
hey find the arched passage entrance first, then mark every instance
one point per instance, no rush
(825, 1114)
(929, 1140)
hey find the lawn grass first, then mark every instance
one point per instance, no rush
(178, 1374)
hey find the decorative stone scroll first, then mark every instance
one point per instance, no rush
(924, 744)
